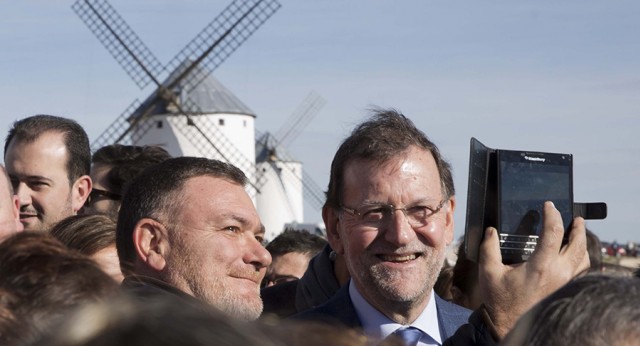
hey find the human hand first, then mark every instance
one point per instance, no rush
(510, 290)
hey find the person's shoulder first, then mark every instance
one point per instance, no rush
(338, 310)
(452, 309)
(450, 316)
(475, 332)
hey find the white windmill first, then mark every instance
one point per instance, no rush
(192, 114)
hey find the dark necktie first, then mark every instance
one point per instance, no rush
(408, 335)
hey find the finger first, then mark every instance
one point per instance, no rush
(550, 239)
(577, 237)
(576, 248)
(584, 265)
(490, 255)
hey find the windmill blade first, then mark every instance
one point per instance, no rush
(120, 40)
(232, 27)
(203, 134)
(220, 38)
(275, 145)
(300, 118)
(312, 191)
(117, 129)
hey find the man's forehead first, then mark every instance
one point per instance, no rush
(224, 199)
(406, 161)
(413, 170)
(48, 135)
(48, 145)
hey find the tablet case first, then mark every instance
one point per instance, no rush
(482, 201)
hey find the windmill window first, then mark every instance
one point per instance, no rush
(221, 122)
(159, 124)
(244, 123)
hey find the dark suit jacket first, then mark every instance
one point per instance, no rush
(339, 310)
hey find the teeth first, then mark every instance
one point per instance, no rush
(398, 258)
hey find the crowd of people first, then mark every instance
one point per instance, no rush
(133, 246)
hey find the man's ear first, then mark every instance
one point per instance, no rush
(449, 220)
(150, 239)
(332, 224)
(80, 192)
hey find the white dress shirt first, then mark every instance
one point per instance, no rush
(378, 326)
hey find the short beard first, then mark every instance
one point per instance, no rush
(238, 307)
(385, 282)
(212, 291)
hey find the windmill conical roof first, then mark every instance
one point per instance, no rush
(208, 96)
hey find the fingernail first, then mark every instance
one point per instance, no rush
(553, 205)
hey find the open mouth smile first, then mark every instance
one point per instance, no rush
(399, 258)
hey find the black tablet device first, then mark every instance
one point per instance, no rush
(507, 190)
(525, 181)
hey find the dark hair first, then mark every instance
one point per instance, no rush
(292, 240)
(380, 138)
(29, 129)
(594, 309)
(126, 162)
(155, 194)
(44, 280)
(86, 233)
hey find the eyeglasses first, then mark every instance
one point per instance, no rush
(376, 214)
(98, 193)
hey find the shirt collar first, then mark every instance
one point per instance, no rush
(378, 326)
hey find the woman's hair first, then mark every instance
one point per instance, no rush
(86, 233)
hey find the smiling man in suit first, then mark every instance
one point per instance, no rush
(389, 212)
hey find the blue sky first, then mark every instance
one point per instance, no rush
(558, 76)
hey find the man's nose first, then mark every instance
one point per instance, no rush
(398, 230)
(257, 254)
(24, 194)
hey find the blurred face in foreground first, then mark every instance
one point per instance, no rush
(9, 208)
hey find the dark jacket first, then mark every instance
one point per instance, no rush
(314, 288)
(148, 288)
(339, 310)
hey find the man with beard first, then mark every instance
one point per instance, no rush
(187, 229)
(48, 161)
(389, 212)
